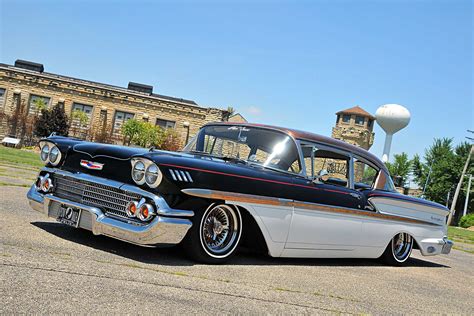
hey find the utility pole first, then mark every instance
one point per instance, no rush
(458, 188)
(467, 195)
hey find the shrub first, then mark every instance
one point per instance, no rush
(130, 130)
(467, 221)
(145, 134)
(148, 135)
(54, 120)
(169, 141)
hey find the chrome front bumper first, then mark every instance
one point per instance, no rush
(160, 231)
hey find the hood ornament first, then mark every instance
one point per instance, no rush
(91, 165)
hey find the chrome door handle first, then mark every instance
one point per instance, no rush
(355, 195)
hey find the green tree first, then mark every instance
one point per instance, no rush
(443, 163)
(54, 120)
(81, 117)
(400, 168)
(130, 130)
(40, 104)
(148, 135)
(145, 134)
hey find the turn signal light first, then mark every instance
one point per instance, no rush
(131, 209)
(44, 183)
(47, 185)
(145, 212)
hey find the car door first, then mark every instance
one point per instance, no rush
(325, 214)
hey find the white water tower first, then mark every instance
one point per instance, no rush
(391, 118)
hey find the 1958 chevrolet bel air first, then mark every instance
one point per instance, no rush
(286, 192)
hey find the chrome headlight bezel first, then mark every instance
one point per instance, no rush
(44, 151)
(57, 152)
(46, 148)
(147, 165)
(142, 167)
(153, 173)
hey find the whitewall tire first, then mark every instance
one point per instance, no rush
(398, 249)
(215, 234)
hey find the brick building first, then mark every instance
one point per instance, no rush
(106, 107)
(355, 126)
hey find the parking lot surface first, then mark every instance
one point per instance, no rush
(46, 267)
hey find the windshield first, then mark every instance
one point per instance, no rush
(265, 147)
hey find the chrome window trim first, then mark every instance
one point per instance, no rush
(295, 141)
(371, 164)
(331, 148)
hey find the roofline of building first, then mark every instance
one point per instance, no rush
(94, 84)
(353, 111)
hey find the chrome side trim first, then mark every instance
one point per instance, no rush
(267, 200)
(161, 230)
(162, 206)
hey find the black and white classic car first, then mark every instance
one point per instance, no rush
(285, 192)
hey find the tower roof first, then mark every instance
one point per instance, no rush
(357, 110)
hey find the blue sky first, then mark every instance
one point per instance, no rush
(277, 62)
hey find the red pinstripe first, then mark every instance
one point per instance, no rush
(252, 178)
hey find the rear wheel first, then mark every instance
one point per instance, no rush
(398, 250)
(215, 234)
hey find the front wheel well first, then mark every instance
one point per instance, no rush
(252, 238)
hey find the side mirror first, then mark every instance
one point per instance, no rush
(323, 175)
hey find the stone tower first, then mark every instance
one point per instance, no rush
(355, 126)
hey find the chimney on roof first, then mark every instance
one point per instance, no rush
(140, 87)
(29, 65)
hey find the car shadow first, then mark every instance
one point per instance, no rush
(175, 256)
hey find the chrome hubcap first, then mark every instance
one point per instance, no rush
(401, 246)
(219, 229)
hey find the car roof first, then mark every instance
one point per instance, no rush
(297, 134)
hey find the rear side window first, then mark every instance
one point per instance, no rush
(364, 175)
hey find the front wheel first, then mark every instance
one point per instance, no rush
(398, 250)
(215, 234)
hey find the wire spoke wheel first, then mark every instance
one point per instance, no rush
(220, 230)
(402, 245)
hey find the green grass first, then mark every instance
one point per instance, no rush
(461, 235)
(21, 157)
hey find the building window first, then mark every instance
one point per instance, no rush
(165, 124)
(369, 123)
(2, 96)
(83, 116)
(38, 103)
(360, 120)
(120, 118)
(346, 118)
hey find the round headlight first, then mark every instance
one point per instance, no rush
(138, 171)
(45, 152)
(152, 175)
(54, 155)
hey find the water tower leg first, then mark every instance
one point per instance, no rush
(386, 147)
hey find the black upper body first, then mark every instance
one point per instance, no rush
(221, 173)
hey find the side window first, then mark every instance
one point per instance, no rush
(326, 165)
(364, 175)
(38, 103)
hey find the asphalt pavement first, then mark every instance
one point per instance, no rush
(46, 267)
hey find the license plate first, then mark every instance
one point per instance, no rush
(69, 215)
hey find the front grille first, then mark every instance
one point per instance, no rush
(111, 200)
